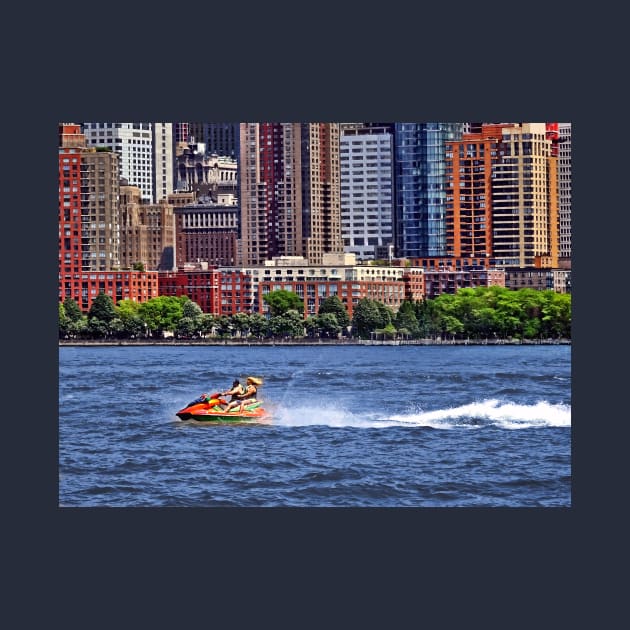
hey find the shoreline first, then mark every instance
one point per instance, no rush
(315, 342)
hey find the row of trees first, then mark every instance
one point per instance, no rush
(482, 312)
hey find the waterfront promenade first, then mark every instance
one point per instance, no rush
(311, 342)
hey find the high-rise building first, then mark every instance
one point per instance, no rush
(219, 138)
(145, 150)
(290, 206)
(525, 199)
(564, 189)
(366, 162)
(181, 132)
(100, 230)
(71, 147)
(469, 164)
(420, 187)
(163, 159)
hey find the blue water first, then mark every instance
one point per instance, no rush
(353, 426)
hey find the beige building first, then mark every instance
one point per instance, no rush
(147, 232)
(525, 199)
(290, 204)
(99, 209)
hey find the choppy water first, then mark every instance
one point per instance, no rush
(353, 426)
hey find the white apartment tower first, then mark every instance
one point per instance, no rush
(564, 188)
(163, 180)
(145, 150)
(366, 190)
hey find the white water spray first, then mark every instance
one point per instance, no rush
(475, 415)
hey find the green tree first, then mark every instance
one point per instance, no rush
(117, 328)
(311, 325)
(223, 326)
(206, 324)
(73, 312)
(328, 325)
(128, 313)
(289, 324)
(191, 309)
(333, 304)
(485, 324)
(102, 308)
(97, 328)
(388, 332)
(281, 301)
(556, 314)
(63, 321)
(406, 319)
(186, 328)
(428, 317)
(509, 314)
(162, 313)
(240, 323)
(367, 317)
(386, 314)
(78, 328)
(451, 325)
(190, 322)
(258, 325)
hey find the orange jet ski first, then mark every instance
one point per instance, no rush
(211, 408)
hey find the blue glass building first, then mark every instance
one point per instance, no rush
(420, 184)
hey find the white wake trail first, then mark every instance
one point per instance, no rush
(475, 415)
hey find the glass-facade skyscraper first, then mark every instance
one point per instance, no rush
(420, 184)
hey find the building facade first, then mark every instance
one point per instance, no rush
(564, 189)
(366, 162)
(525, 199)
(199, 282)
(420, 187)
(289, 183)
(469, 172)
(163, 158)
(204, 174)
(206, 232)
(147, 232)
(146, 153)
(100, 229)
(437, 282)
(89, 229)
(219, 138)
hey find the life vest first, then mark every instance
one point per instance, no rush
(237, 396)
(245, 395)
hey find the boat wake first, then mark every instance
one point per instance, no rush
(475, 415)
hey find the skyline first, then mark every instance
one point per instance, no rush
(278, 239)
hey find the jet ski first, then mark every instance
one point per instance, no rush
(211, 408)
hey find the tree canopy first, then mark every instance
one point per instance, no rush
(281, 301)
(333, 305)
(479, 313)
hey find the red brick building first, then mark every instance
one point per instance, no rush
(88, 226)
(438, 282)
(206, 232)
(217, 292)
(200, 285)
(313, 292)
